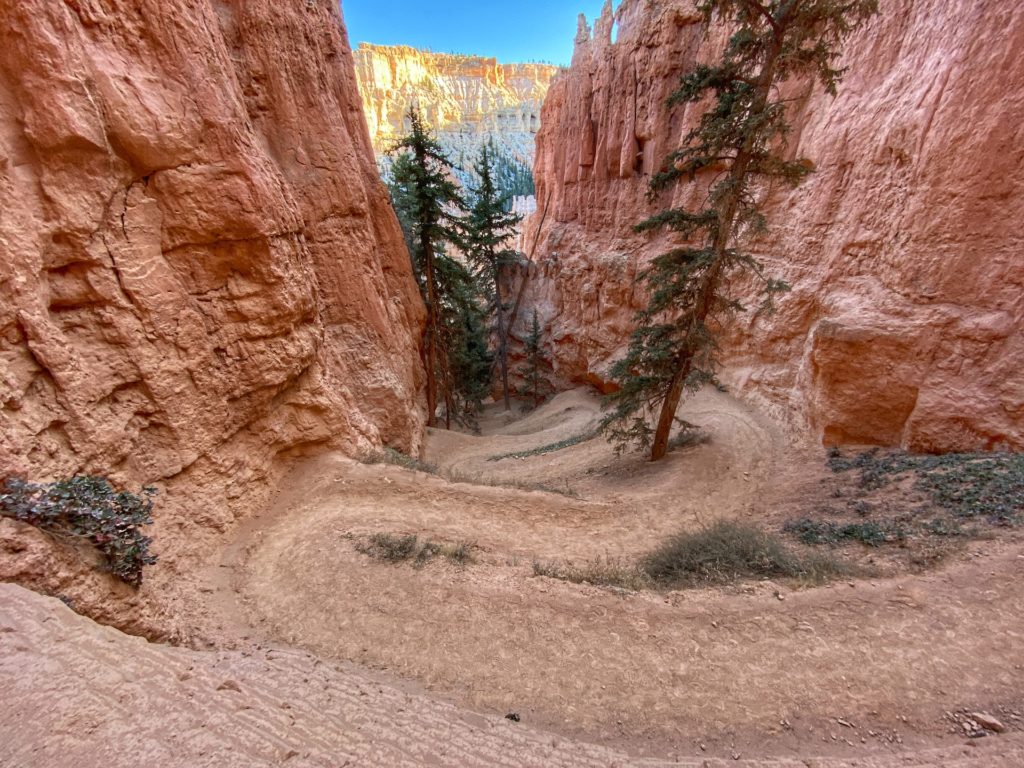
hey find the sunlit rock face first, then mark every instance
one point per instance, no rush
(465, 99)
(905, 322)
(201, 274)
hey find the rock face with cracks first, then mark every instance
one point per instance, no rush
(903, 249)
(201, 272)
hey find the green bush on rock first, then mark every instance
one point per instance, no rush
(88, 507)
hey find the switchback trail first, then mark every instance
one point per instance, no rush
(758, 669)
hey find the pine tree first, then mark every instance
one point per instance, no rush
(512, 177)
(743, 134)
(398, 178)
(427, 202)
(471, 357)
(487, 229)
(532, 371)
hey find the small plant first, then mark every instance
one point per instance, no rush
(689, 435)
(870, 533)
(460, 553)
(88, 507)
(402, 548)
(399, 459)
(946, 528)
(729, 550)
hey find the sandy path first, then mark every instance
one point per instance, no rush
(656, 674)
(78, 694)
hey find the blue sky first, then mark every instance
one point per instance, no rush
(526, 30)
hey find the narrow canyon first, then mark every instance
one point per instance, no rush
(206, 289)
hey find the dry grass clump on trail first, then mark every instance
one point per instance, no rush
(518, 485)
(727, 551)
(399, 459)
(604, 572)
(404, 548)
(720, 554)
(689, 436)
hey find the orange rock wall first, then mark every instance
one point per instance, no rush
(201, 271)
(904, 250)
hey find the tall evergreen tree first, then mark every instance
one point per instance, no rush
(532, 370)
(743, 131)
(471, 358)
(428, 202)
(512, 177)
(488, 227)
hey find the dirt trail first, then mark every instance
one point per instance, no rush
(79, 694)
(755, 670)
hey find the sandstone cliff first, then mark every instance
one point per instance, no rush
(466, 99)
(904, 250)
(201, 272)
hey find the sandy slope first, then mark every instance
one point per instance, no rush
(78, 694)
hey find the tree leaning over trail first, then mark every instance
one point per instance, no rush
(487, 230)
(742, 136)
(427, 201)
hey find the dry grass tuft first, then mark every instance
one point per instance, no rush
(403, 548)
(727, 551)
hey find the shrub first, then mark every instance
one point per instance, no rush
(729, 550)
(88, 507)
(387, 546)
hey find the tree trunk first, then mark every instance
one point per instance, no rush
(722, 235)
(449, 402)
(668, 409)
(427, 247)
